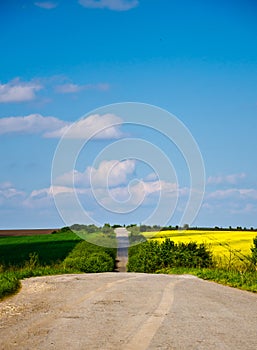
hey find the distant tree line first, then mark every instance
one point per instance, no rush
(155, 228)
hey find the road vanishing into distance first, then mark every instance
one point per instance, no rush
(122, 251)
(130, 311)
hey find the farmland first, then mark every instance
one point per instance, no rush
(50, 248)
(222, 243)
(56, 253)
(227, 257)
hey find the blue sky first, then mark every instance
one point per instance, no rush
(62, 59)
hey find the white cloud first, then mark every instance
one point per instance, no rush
(95, 126)
(51, 191)
(10, 196)
(5, 185)
(113, 185)
(47, 5)
(71, 88)
(68, 88)
(134, 194)
(109, 173)
(234, 194)
(44, 197)
(226, 179)
(115, 5)
(246, 209)
(152, 187)
(151, 177)
(11, 192)
(18, 91)
(33, 123)
(116, 176)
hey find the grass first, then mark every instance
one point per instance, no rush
(51, 249)
(58, 253)
(242, 280)
(9, 284)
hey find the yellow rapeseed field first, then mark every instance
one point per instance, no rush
(222, 243)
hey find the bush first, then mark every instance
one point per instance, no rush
(152, 256)
(97, 262)
(87, 257)
(9, 284)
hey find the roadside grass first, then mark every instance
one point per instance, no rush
(58, 253)
(242, 280)
(9, 284)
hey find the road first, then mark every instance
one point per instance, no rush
(122, 251)
(127, 311)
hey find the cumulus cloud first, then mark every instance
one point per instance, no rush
(151, 177)
(113, 184)
(226, 179)
(18, 91)
(33, 123)
(109, 173)
(115, 176)
(115, 5)
(141, 190)
(71, 88)
(95, 126)
(47, 5)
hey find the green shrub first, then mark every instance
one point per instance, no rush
(9, 284)
(152, 256)
(87, 257)
(96, 262)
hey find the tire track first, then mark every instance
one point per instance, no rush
(142, 339)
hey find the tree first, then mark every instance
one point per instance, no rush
(107, 229)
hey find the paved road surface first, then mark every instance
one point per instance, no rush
(127, 311)
(122, 251)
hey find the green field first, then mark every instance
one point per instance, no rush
(51, 249)
(56, 253)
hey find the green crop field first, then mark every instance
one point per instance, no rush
(60, 252)
(52, 248)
